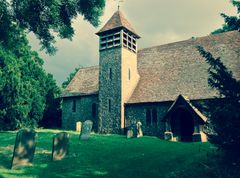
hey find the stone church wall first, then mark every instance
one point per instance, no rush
(137, 112)
(82, 112)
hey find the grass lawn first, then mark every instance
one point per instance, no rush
(110, 156)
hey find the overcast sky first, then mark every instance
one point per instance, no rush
(156, 21)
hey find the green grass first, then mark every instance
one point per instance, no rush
(110, 156)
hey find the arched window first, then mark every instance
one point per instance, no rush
(154, 116)
(74, 106)
(94, 110)
(148, 117)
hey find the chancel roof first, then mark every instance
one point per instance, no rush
(167, 71)
(117, 21)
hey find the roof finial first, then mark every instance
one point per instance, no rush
(119, 1)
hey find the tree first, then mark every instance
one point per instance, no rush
(27, 93)
(43, 17)
(70, 77)
(231, 22)
(225, 118)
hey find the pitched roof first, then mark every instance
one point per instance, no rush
(85, 82)
(184, 101)
(177, 68)
(172, 69)
(117, 21)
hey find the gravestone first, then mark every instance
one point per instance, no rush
(78, 126)
(24, 148)
(129, 134)
(86, 130)
(60, 146)
(139, 129)
(168, 136)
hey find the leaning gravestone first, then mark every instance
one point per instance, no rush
(86, 130)
(78, 126)
(60, 146)
(129, 134)
(24, 148)
(139, 129)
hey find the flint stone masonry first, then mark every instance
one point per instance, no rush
(24, 148)
(82, 113)
(86, 130)
(60, 146)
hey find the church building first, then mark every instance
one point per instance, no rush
(164, 87)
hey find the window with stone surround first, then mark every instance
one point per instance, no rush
(74, 106)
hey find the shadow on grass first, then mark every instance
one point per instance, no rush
(5, 161)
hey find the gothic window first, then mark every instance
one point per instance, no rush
(94, 110)
(129, 74)
(148, 117)
(154, 116)
(109, 105)
(74, 106)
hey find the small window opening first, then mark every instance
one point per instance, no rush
(109, 105)
(129, 74)
(94, 110)
(74, 106)
(148, 117)
(110, 73)
(154, 116)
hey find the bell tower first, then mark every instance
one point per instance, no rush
(118, 75)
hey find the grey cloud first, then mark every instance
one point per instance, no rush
(157, 21)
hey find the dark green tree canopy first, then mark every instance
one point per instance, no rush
(231, 22)
(225, 117)
(28, 95)
(45, 17)
(70, 77)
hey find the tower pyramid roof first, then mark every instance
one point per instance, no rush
(117, 21)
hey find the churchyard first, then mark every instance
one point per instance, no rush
(107, 156)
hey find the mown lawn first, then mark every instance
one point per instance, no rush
(110, 156)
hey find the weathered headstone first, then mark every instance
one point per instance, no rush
(24, 148)
(86, 130)
(129, 134)
(60, 146)
(168, 136)
(78, 126)
(139, 129)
